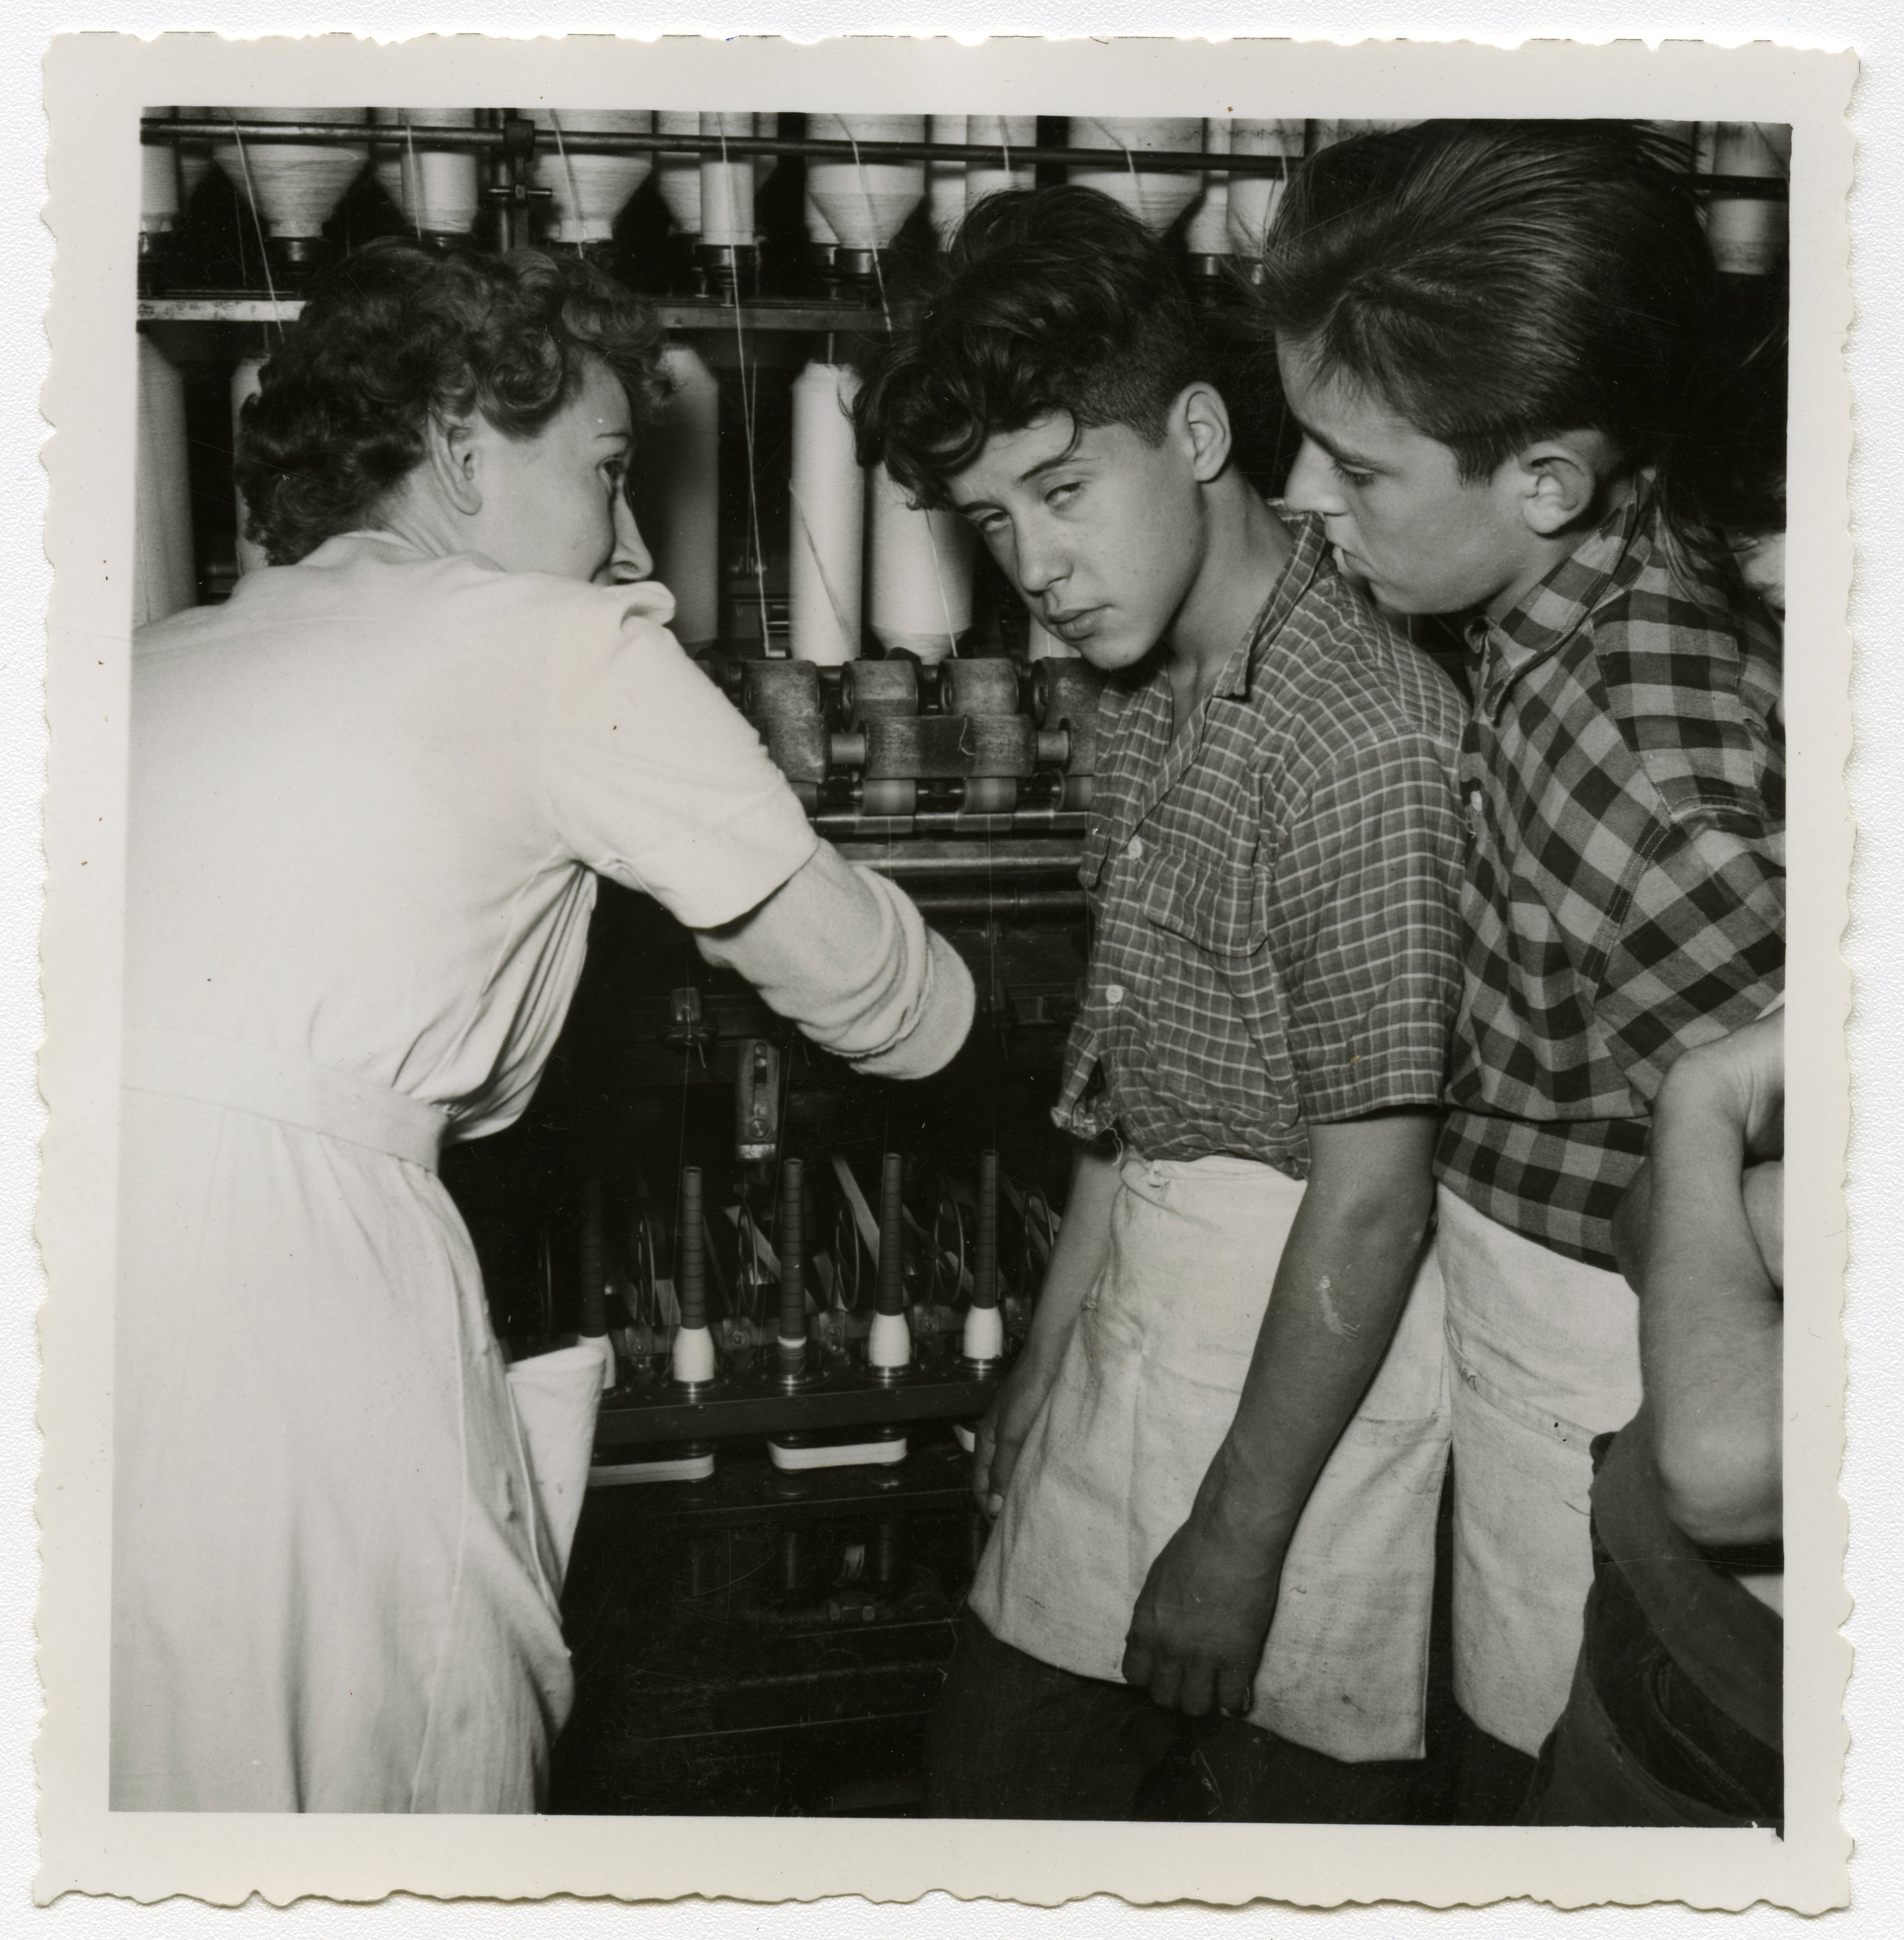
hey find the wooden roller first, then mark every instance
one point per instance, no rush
(979, 686)
(939, 747)
(1000, 745)
(870, 689)
(1064, 695)
(784, 700)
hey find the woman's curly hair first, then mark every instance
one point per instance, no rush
(397, 335)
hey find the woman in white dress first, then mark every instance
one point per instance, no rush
(369, 797)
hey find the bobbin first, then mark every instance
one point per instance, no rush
(691, 1361)
(790, 1356)
(889, 1344)
(982, 1343)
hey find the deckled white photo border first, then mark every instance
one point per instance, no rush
(96, 88)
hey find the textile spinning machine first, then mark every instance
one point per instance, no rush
(812, 1281)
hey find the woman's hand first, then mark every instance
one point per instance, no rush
(1001, 1435)
(1197, 1634)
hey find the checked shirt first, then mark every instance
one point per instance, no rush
(1273, 893)
(1624, 900)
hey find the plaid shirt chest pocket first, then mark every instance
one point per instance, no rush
(1218, 1013)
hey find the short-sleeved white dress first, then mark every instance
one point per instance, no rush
(367, 796)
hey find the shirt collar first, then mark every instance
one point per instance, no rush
(1614, 553)
(1305, 529)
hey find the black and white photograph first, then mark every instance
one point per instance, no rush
(949, 976)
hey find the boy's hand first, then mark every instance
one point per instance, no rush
(1001, 1435)
(1196, 1637)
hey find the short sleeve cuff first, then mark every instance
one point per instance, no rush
(720, 875)
(1365, 1086)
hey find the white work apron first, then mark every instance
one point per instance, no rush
(1146, 1391)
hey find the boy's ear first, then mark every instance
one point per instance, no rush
(1561, 481)
(452, 460)
(1204, 419)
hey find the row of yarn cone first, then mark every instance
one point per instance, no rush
(859, 204)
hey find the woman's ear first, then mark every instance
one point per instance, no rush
(453, 458)
(1205, 419)
(1561, 479)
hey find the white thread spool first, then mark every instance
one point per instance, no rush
(889, 1342)
(194, 158)
(1208, 232)
(946, 191)
(866, 203)
(1156, 199)
(921, 589)
(984, 1336)
(678, 491)
(160, 196)
(165, 577)
(1040, 645)
(727, 186)
(587, 192)
(827, 539)
(1006, 132)
(246, 383)
(1253, 199)
(691, 1357)
(293, 189)
(435, 189)
(1748, 235)
(678, 176)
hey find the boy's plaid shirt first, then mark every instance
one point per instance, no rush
(1624, 900)
(1274, 893)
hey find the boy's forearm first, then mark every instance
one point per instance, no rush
(1711, 1325)
(1339, 1289)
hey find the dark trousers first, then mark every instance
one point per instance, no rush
(1013, 1738)
(1638, 1743)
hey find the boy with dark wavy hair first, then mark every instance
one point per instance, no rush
(1498, 338)
(1213, 1471)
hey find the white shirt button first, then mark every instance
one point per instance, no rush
(1113, 995)
(1133, 849)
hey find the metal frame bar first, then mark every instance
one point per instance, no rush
(159, 129)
